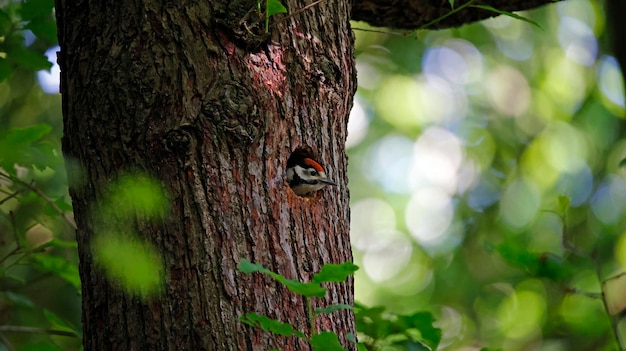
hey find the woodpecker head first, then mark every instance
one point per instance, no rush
(305, 175)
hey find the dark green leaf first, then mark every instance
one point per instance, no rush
(333, 308)
(17, 299)
(58, 266)
(270, 325)
(422, 321)
(58, 323)
(6, 69)
(326, 341)
(507, 13)
(304, 289)
(40, 346)
(622, 163)
(451, 3)
(29, 59)
(5, 22)
(273, 7)
(18, 147)
(335, 272)
(36, 8)
(44, 28)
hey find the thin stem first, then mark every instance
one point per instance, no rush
(311, 315)
(41, 195)
(32, 330)
(613, 319)
(299, 11)
(446, 15)
(6, 342)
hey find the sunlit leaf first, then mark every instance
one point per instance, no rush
(273, 7)
(137, 195)
(335, 272)
(131, 262)
(326, 341)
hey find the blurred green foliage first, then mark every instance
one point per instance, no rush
(485, 179)
(488, 193)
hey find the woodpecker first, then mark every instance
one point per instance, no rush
(305, 175)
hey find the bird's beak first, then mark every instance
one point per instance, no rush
(328, 181)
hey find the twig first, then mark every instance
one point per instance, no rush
(612, 318)
(20, 329)
(297, 12)
(378, 31)
(41, 195)
(6, 342)
(447, 14)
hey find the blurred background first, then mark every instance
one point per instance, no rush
(485, 177)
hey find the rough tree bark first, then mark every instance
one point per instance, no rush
(195, 94)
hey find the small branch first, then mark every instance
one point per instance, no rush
(439, 19)
(6, 342)
(41, 195)
(378, 31)
(297, 12)
(311, 315)
(612, 318)
(32, 330)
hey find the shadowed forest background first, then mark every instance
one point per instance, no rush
(485, 179)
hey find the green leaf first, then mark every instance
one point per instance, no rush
(58, 266)
(249, 267)
(422, 321)
(40, 346)
(58, 323)
(507, 13)
(334, 308)
(17, 299)
(622, 163)
(136, 195)
(271, 325)
(27, 58)
(273, 7)
(5, 22)
(295, 286)
(133, 263)
(304, 289)
(44, 28)
(564, 204)
(361, 347)
(335, 272)
(36, 8)
(6, 69)
(326, 341)
(451, 2)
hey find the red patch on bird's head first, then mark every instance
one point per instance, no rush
(310, 162)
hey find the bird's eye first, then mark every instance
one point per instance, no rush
(313, 173)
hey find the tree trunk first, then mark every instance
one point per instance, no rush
(196, 95)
